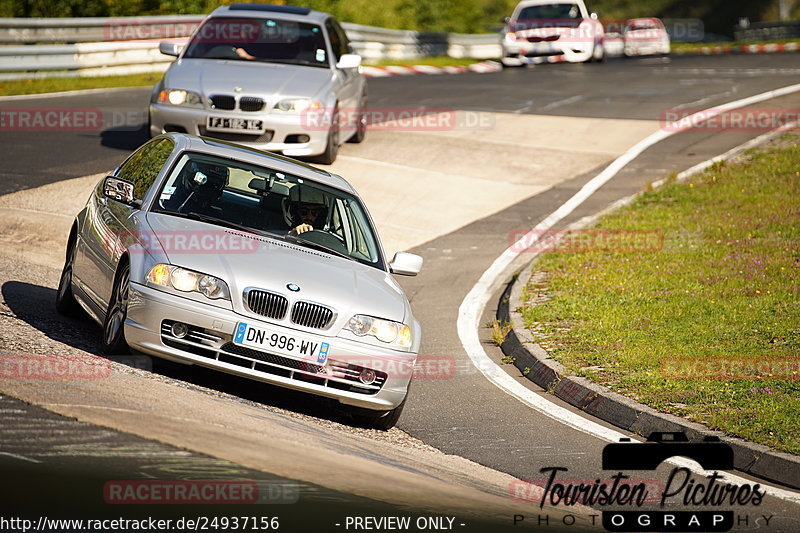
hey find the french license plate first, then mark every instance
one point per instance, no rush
(275, 342)
(247, 125)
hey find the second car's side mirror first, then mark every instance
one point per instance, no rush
(405, 264)
(169, 49)
(349, 61)
(120, 190)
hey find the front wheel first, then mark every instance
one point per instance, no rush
(598, 53)
(361, 129)
(332, 147)
(382, 420)
(113, 341)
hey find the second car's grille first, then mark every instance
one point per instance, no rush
(251, 103)
(267, 304)
(237, 137)
(311, 315)
(223, 101)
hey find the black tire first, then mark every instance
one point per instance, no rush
(602, 57)
(113, 339)
(65, 301)
(361, 131)
(382, 420)
(332, 147)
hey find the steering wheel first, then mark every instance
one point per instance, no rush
(326, 239)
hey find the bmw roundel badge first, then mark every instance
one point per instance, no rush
(292, 287)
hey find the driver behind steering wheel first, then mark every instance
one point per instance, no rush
(306, 210)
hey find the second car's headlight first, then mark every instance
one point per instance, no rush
(298, 105)
(179, 97)
(384, 330)
(185, 280)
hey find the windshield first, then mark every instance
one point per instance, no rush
(269, 202)
(550, 11)
(265, 40)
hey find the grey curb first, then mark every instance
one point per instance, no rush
(534, 362)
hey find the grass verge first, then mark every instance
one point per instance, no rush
(698, 47)
(438, 61)
(667, 327)
(53, 85)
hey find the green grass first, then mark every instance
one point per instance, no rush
(697, 47)
(725, 285)
(52, 85)
(437, 61)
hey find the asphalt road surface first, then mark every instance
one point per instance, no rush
(459, 412)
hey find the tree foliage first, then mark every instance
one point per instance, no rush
(459, 16)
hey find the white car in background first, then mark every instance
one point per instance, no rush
(645, 36)
(541, 28)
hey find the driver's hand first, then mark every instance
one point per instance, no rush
(241, 52)
(302, 228)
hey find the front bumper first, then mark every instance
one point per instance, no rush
(209, 344)
(164, 118)
(526, 51)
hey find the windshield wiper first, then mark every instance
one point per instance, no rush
(321, 247)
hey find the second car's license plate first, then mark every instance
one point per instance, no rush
(272, 341)
(248, 125)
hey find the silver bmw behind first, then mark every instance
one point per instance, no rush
(210, 253)
(278, 78)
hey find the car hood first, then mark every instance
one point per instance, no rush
(220, 76)
(248, 260)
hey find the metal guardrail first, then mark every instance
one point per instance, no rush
(128, 45)
(768, 31)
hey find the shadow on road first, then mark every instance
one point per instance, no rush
(125, 137)
(35, 305)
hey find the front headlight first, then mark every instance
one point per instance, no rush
(511, 36)
(384, 330)
(298, 105)
(185, 280)
(179, 97)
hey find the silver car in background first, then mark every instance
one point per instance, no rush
(278, 78)
(216, 254)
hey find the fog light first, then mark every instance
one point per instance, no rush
(179, 330)
(303, 138)
(367, 376)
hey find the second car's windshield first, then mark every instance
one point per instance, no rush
(265, 40)
(269, 202)
(550, 11)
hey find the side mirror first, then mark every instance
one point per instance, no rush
(506, 20)
(594, 16)
(405, 264)
(169, 49)
(120, 190)
(349, 61)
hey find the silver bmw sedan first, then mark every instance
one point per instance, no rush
(211, 253)
(279, 78)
